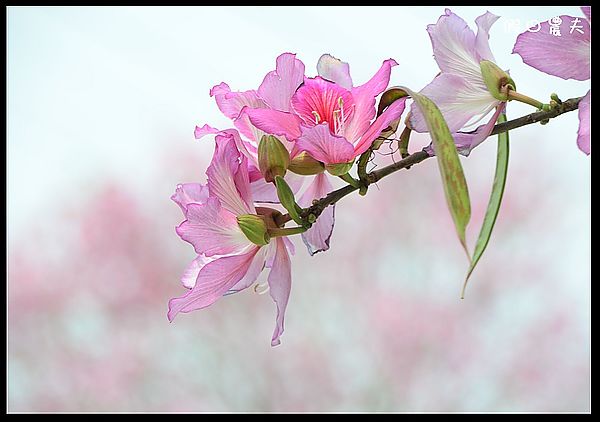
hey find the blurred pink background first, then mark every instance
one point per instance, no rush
(101, 119)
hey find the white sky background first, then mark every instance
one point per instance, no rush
(97, 92)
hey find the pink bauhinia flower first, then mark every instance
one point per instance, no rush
(566, 56)
(329, 118)
(275, 92)
(459, 90)
(228, 261)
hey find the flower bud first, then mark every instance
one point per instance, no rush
(255, 228)
(273, 157)
(338, 169)
(496, 80)
(305, 165)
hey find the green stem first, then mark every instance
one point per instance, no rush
(286, 231)
(517, 96)
(350, 180)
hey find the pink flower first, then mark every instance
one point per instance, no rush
(325, 116)
(227, 260)
(566, 56)
(459, 90)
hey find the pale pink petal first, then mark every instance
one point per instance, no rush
(364, 98)
(189, 193)
(199, 132)
(393, 112)
(587, 11)
(231, 103)
(212, 230)
(454, 47)
(188, 279)
(482, 45)
(317, 237)
(274, 122)
(567, 56)
(334, 70)
(583, 134)
(466, 141)
(223, 180)
(459, 101)
(319, 101)
(280, 285)
(267, 193)
(325, 147)
(289, 245)
(213, 281)
(256, 267)
(279, 85)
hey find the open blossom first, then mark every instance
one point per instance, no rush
(227, 261)
(567, 56)
(328, 117)
(459, 90)
(275, 92)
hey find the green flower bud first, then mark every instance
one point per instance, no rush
(338, 169)
(286, 198)
(255, 228)
(305, 165)
(273, 157)
(496, 80)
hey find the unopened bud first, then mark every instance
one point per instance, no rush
(496, 80)
(273, 157)
(255, 228)
(338, 169)
(305, 165)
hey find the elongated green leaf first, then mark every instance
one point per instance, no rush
(453, 178)
(495, 199)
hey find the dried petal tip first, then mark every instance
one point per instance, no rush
(273, 157)
(255, 229)
(496, 80)
(305, 165)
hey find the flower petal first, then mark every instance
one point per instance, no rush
(266, 192)
(231, 103)
(466, 141)
(587, 11)
(319, 101)
(454, 47)
(482, 45)
(317, 237)
(458, 100)
(566, 56)
(279, 85)
(364, 98)
(583, 134)
(334, 70)
(224, 182)
(214, 279)
(324, 146)
(280, 285)
(212, 230)
(199, 132)
(393, 112)
(254, 270)
(274, 122)
(188, 279)
(189, 193)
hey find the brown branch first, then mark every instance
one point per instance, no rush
(319, 205)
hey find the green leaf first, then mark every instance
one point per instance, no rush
(495, 199)
(453, 178)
